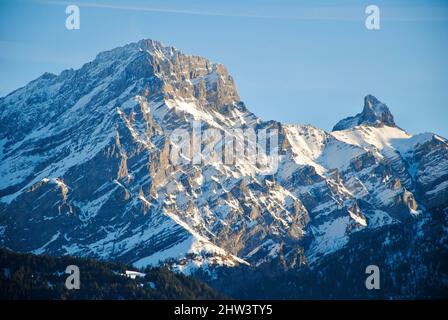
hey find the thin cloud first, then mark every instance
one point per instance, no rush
(399, 14)
(306, 13)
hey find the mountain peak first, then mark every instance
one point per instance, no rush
(374, 113)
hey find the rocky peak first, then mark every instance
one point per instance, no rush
(191, 78)
(374, 113)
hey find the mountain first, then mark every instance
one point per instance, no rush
(374, 113)
(27, 276)
(125, 160)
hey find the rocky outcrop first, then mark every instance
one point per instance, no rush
(374, 113)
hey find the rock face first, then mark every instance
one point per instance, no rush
(375, 113)
(87, 169)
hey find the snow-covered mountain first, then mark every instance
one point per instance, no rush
(374, 113)
(87, 169)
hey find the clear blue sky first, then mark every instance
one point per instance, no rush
(293, 61)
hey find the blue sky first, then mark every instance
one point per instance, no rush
(292, 61)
